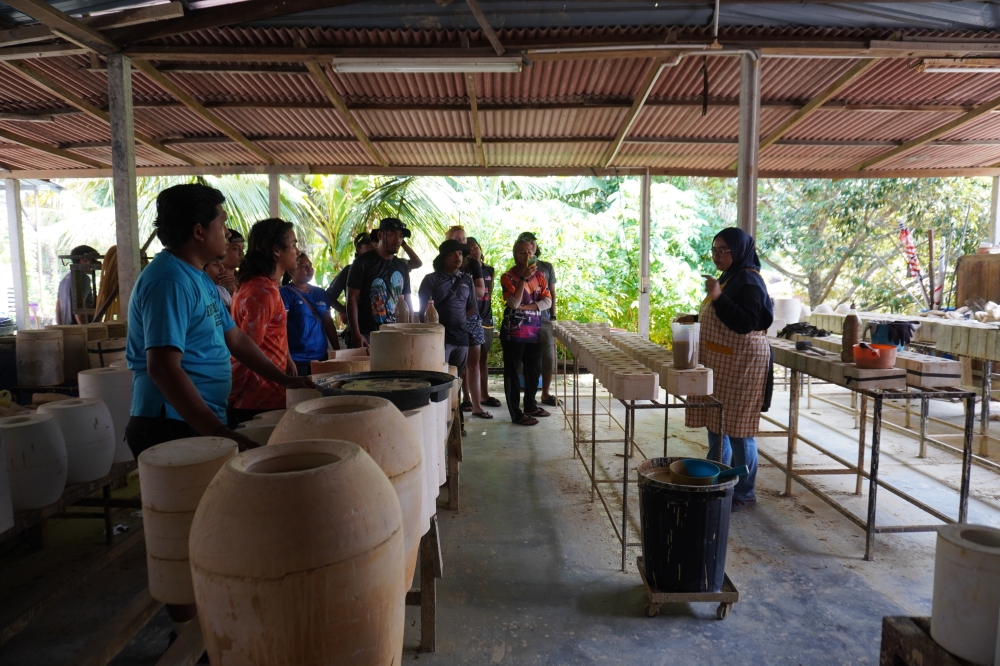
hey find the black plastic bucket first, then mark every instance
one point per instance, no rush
(685, 530)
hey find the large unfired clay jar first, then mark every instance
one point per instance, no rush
(341, 366)
(89, 434)
(258, 431)
(295, 396)
(415, 418)
(172, 477)
(36, 459)
(6, 503)
(297, 558)
(75, 356)
(378, 427)
(407, 349)
(39, 358)
(966, 602)
(114, 387)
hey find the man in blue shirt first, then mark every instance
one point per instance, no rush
(311, 330)
(180, 336)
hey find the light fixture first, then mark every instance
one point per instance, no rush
(962, 70)
(502, 65)
(959, 65)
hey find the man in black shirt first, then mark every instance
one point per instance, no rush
(363, 243)
(376, 281)
(454, 299)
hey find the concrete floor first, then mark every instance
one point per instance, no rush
(532, 567)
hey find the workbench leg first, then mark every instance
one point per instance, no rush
(454, 446)
(963, 493)
(593, 442)
(629, 417)
(854, 407)
(430, 571)
(809, 391)
(925, 407)
(793, 429)
(862, 432)
(576, 405)
(984, 409)
(109, 529)
(666, 425)
(873, 477)
(907, 423)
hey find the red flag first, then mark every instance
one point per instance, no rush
(910, 251)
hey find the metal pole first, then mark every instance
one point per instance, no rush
(274, 194)
(593, 440)
(963, 493)
(862, 431)
(15, 231)
(984, 409)
(749, 142)
(629, 416)
(123, 171)
(994, 234)
(644, 226)
(873, 476)
(925, 405)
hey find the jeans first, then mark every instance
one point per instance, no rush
(529, 355)
(737, 451)
(142, 432)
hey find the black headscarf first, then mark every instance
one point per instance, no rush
(745, 267)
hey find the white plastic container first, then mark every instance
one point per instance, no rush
(789, 309)
(966, 607)
(89, 436)
(36, 459)
(114, 387)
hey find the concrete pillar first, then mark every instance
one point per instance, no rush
(746, 170)
(644, 258)
(994, 234)
(15, 232)
(274, 194)
(123, 171)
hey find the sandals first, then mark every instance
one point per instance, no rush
(467, 406)
(527, 421)
(551, 401)
(482, 415)
(538, 412)
(490, 402)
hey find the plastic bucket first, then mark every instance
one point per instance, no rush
(685, 530)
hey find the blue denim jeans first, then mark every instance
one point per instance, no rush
(737, 451)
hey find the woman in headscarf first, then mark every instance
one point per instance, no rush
(734, 319)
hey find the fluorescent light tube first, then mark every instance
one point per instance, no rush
(503, 65)
(962, 70)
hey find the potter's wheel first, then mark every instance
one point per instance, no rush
(407, 389)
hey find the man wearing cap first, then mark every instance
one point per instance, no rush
(546, 340)
(454, 298)
(377, 279)
(232, 260)
(363, 243)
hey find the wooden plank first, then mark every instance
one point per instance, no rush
(949, 126)
(906, 641)
(477, 131)
(15, 235)
(121, 19)
(199, 110)
(124, 181)
(485, 26)
(71, 98)
(64, 25)
(187, 649)
(645, 88)
(13, 137)
(321, 78)
(110, 639)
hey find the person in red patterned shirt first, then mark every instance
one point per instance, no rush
(260, 313)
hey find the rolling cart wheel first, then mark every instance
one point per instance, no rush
(652, 610)
(722, 612)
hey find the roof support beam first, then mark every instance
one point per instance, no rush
(64, 25)
(123, 166)
(477, 130)
(485, 26)
(127, 17)
(15, 231)
(647, 87)
(927, 137)
(749, 155)
(323, 81)
(50, 150)
(86, 107)
(199, 110)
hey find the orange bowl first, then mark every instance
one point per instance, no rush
(876, 357)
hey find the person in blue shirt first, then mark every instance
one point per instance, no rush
(311, 329)
(180, 336)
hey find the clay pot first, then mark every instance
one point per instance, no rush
(39, 358)
(427, 433)
(273, 415)
(258, 431)
(117, 328)
(36, 460)
(173, 477)
(75, 356)
(89, 435)
(395, 348)
(102, 353)
(295, 396)
(378, 427)
(114, 387)
(341, 366)
(297, 558)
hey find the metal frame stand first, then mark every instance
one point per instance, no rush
(877, 396)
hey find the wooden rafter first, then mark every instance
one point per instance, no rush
(124, 18)
(86, 107)
(485, 26)
(199, 110)
(477, 129)
(64, 25)
(326, 85)
(933, 134)
(51, 150)
(647, 86)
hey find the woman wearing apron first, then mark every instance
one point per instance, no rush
(734, 320)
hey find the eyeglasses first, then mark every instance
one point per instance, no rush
(719, 251)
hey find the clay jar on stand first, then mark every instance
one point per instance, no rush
(89, 435)
(36, 460)
(378, 427)
(297, 558)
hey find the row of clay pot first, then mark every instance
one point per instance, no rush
(58, 353)
(691, 382)
(623, 377)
